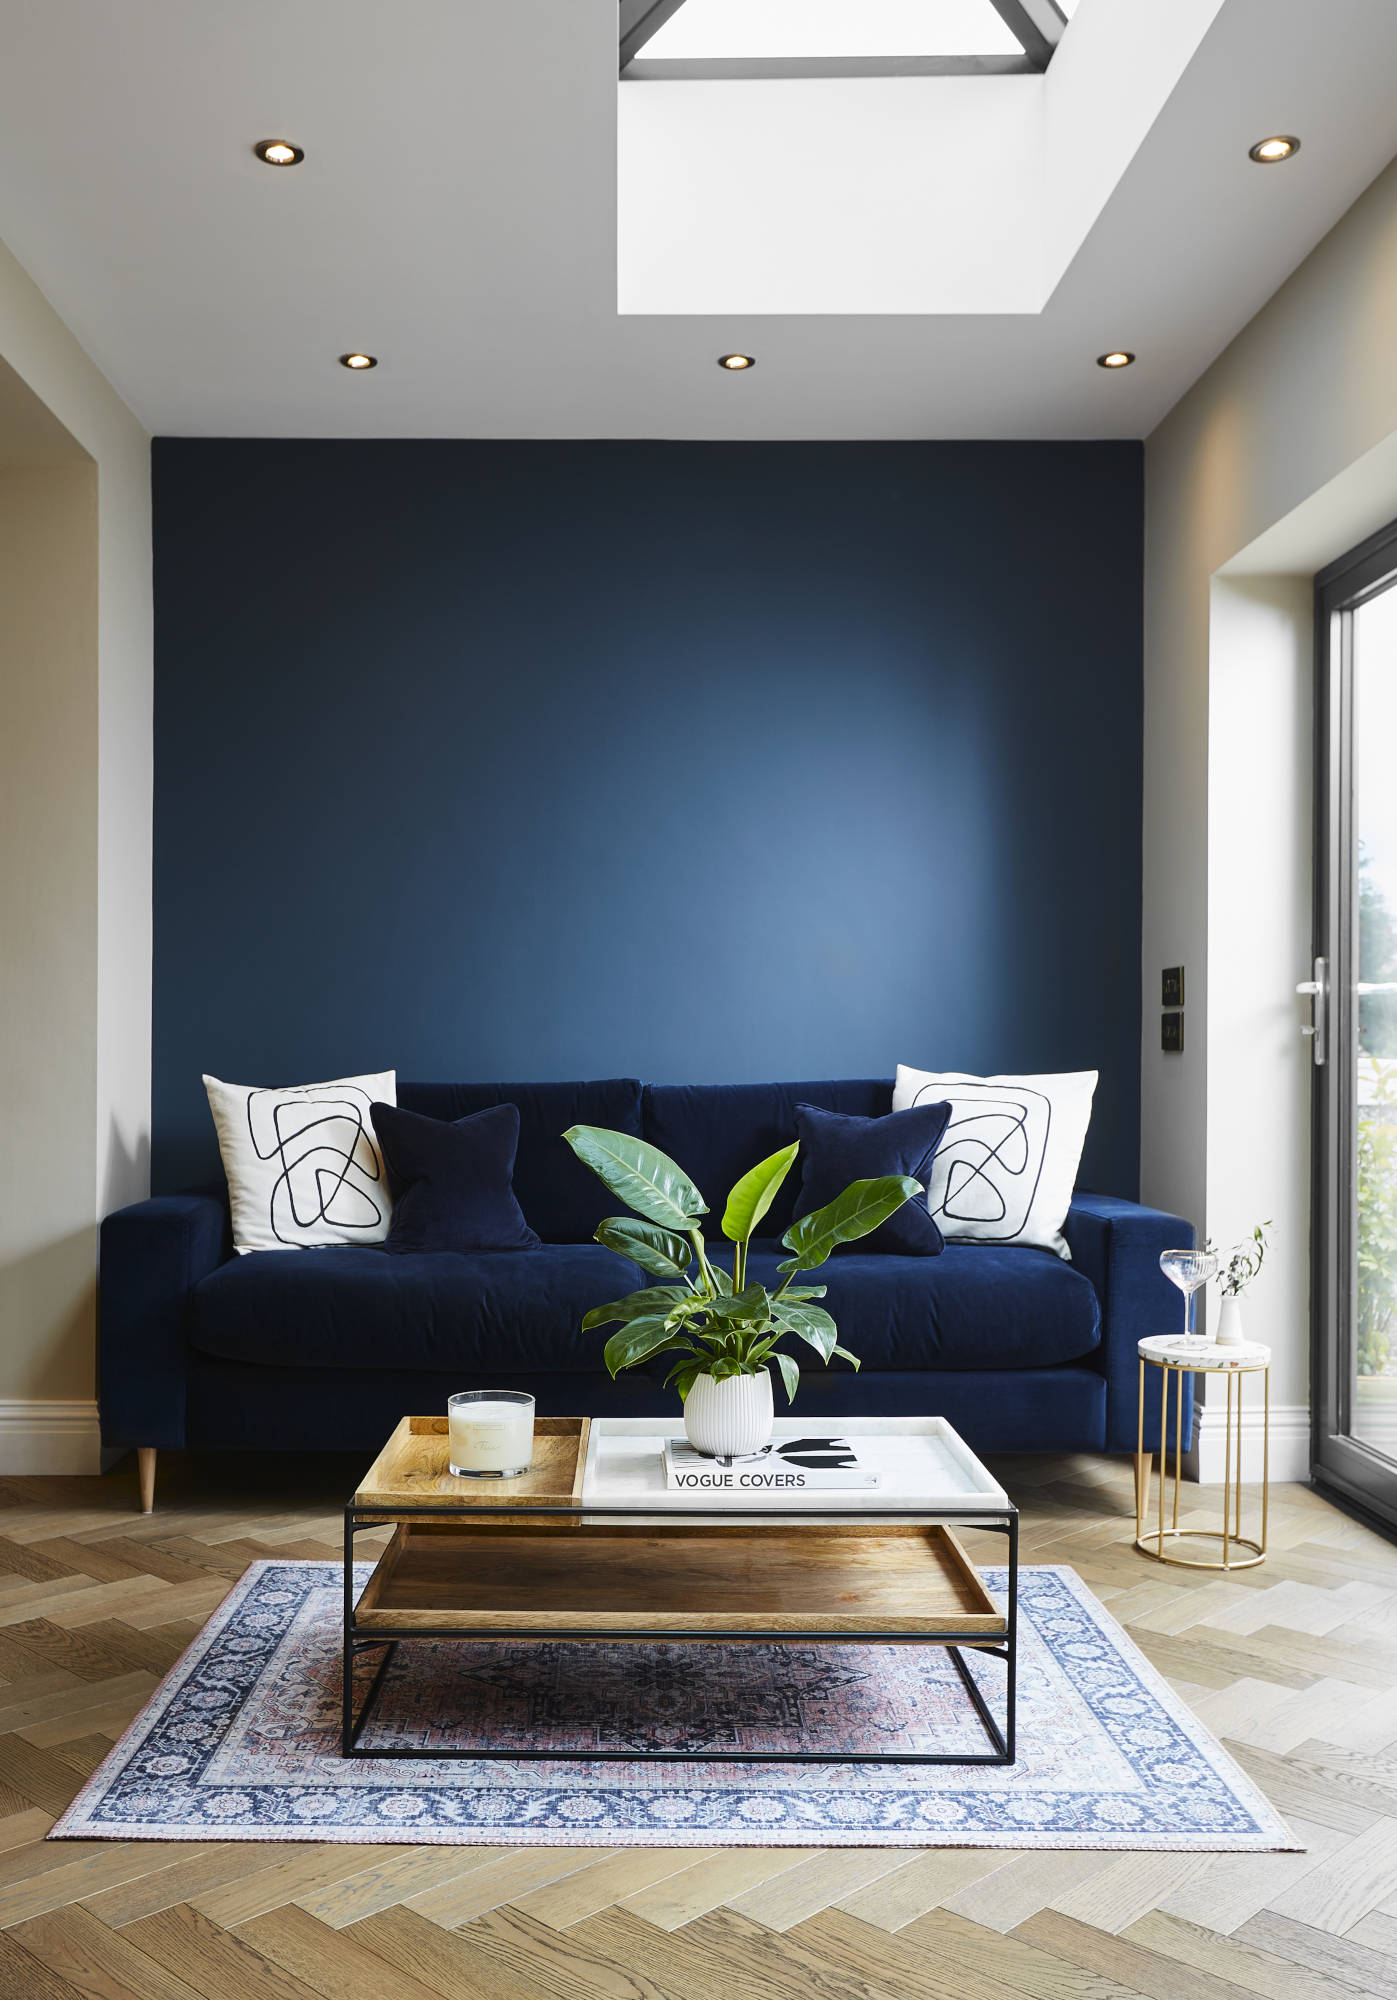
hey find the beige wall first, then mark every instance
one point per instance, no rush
(75, 850)
(1282, 456)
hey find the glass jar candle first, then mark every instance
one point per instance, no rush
(491, 1433)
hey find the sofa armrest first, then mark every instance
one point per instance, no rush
(1116, 1244)
(152, 1256)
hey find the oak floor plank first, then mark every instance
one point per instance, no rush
(331, 1963)
(197, 1870)
(685, 1963)
(678, 1899)
(977, 1949)
(1030, 1883)
(1378, 1931)
(920, 1884)
(218, 1964)
(95, 1559)
(1342, 1959)
(94, 1651)
(95, 1961)
(1112, 1898)
(284, 1874)
(813, 1885)
(454, 1963)
(1243, 1964)
(1132, 1965)
(86, 1707)
(72, 1880)
(604, 1882)
(392, 1880)
(1348, 1885)
(508, 1872)
(899, 1965)
(23, 1977)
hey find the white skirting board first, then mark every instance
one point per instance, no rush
(1206, 1457)
(40, 1437)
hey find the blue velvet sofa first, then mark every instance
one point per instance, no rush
(297, 1349)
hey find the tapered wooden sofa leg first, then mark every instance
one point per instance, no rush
(145, 1466)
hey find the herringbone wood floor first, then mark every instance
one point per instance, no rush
(1294, 1665)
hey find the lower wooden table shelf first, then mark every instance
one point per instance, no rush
(541, 1564)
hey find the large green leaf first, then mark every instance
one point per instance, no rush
(755, 1192)
(790, 1375)
(813, 1325)
(658, 1251)
(856, 1212)
(643, 1177)
(750, 1304)
(636, 1305)
(637, 1342)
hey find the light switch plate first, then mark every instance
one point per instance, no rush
(1171, 1034)
(1171, 986)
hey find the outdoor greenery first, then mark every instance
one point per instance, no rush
(1376, 1127)
(1377, 1221)
(716, 1322)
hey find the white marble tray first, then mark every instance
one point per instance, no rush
(925, 1465)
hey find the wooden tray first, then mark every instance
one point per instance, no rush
(410, 1474)
(843, 1580)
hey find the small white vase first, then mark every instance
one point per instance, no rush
(731, 1418)
(1229, 1333)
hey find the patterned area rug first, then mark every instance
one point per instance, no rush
(240, 1742)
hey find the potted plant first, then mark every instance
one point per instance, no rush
(1237, 1271)
(724, 1331)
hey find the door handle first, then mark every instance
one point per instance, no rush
(1317, 991)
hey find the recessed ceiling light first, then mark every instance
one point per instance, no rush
(737, 362)
(1117, 358)
(278, 153)
(358, 361)
(1266, 152)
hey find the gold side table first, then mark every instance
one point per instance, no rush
(1166, 1353)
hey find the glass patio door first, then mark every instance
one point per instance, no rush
(1354, 1041)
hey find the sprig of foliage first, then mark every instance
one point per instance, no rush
(1244, 1261)
(717, 1324)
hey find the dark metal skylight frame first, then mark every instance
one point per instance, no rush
(1037, 25)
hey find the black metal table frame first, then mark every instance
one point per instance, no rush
(994, 1520)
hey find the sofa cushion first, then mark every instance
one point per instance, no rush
(836, 1150)
(974, 1306)
(563, 1200)
(716, 1131)
(450, 1180)
(499, 1311)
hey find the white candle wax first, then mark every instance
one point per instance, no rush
(491, 1436)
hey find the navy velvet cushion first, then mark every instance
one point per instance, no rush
(976, 1306)
(563, 1200)
(452, 1181)
(346, 1308)
(836, 1149)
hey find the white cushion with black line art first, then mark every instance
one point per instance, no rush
(1006, 1167)
(303, 1163)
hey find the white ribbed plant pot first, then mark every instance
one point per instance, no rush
(1229, 1333)
(731, 1418)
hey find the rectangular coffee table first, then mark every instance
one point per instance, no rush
(590, 1545)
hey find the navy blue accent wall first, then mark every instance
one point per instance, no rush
(693, 762)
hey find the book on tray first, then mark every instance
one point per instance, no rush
(786, 1465)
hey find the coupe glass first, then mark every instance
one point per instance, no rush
(1189, 1270)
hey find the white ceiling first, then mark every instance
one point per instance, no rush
(456, 215)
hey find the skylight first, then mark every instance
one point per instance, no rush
(737, 38)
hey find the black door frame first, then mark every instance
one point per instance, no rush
(1351, 1471)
